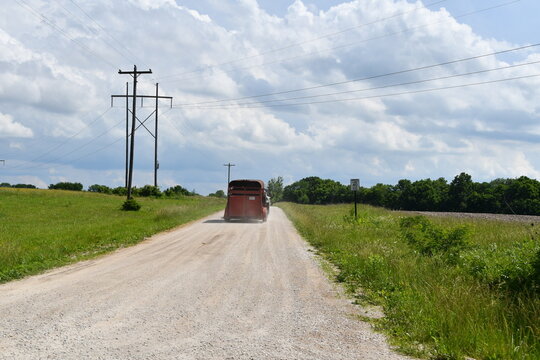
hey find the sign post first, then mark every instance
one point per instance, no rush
(355, 184)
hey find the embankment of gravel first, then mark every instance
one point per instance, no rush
(496, 217)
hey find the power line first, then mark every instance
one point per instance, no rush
(51, 24)
(70, 137)
(305, 41)
(399, 72)
(102, 148)
(87, 154)
(108, 34)
(346, 45)
(106, 146)
(226, 107)
(73, 150)
(77, 17)
(93, 30)
(176, 128)
(96, 151)
(392, 85)
(76, 159)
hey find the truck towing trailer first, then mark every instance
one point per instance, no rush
(247, 200)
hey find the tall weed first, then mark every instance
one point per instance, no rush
(429, 239)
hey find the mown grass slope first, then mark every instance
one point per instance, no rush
(41, 229)
(450, 288)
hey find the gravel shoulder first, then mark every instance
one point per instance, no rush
(210, 290)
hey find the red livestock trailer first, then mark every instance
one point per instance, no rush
(247, 199)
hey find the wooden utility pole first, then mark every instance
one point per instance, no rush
(134, 74)
(127, 132)
(228, 174)
(141, 123)
(156, 164)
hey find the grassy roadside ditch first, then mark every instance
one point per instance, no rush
(42, 229)
(450, 288)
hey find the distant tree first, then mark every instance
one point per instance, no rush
(100, 189)
(485, 198)
(219, 194)
(303, 199)
(66, 186)
(177, 191)
(498, 188)
(24, 186)
(314, 190)
(149, 190)
(120, 190)
(460, 192)
(430, 195)
(523, 196)
(378, 195)
(404, 196)
(520, 196)
(275, 189)
(5, 185)
(134, 191)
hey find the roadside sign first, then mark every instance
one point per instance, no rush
(355, 184)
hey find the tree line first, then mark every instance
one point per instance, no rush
(504, 196)
(144, 191)
(17, 186)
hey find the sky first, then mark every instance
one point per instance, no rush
(378, 90)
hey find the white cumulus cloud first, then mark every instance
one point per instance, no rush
(11, 128)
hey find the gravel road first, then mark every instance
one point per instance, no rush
(209, 290)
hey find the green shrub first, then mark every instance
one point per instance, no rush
(149, 190)
(177, 191)
(429, 240)
(218, 194)
(120, 190)
(131, 205)
(100, 189)
(513, 268)
(66, 186)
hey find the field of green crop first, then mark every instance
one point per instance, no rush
(42, 229)
(450, 287)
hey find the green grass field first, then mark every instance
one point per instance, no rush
(450, 288)
(42, 229)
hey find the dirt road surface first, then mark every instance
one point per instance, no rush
(210, 290)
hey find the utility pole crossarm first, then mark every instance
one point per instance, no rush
(135, 72)
(141, 97)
